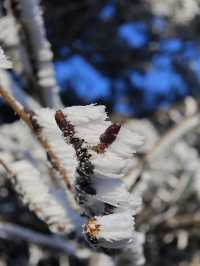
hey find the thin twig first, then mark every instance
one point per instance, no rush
(11, 231)
(165, 142)
(39, 51)
(183, 221)
(16, 106)
(172, 135)
(5, 166)
(19, 110)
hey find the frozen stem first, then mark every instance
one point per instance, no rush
(165, 142)
(183, 221)
(19, 110)
(11, 231)
(6, 167)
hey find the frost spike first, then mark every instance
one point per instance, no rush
(36, 194)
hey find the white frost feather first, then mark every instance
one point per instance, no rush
(133, 254)
(126, 143)
(114, 192)
(116, 230)
(65, 152)
(110, 164)
(4, 62)
(89, 121)
(116, 227)
(118, 158)
(37, 195)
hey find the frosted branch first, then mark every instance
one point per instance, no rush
(10, 231)
(33, 24)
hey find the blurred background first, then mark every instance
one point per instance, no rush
(134, 56)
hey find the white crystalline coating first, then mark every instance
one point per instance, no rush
(22, 97)
(116, 227)
(4, 62)
(8, 37)
(89, 121)
(64, 151)
(179, 11)
(126, 143)
(83, 114)
(114, 192)
(37, 195)
(100, 259)
(114, 230)
(135, 203)
(145, 128)
(133, 253)
(33, 23)
(137, 249)
(110, 164)
(118, 157)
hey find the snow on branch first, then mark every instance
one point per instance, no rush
(4, 62)
(34, 192)
(40, 51)
(92, 139)
(91, 154)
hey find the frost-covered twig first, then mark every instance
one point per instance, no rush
(6, 167)
(11, 231)
(98, 145)
(183, 221)
(96, 154)
(4, 62)
(19, 110)
(39, 196)
(164, 143)
(172, 136)
(39, 51)
(25, 99)
(82, 142)
(14, 46)
(16, 106)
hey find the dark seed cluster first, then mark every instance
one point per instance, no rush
(85, 168)
(65, 126)
(110, 134)
(107, 138)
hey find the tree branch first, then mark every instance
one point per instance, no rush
(11, 231)
(165, 142)
(19, 110)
